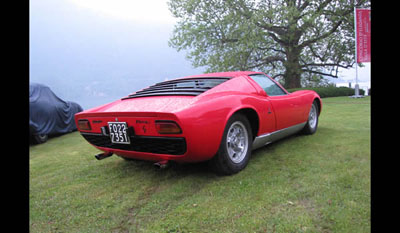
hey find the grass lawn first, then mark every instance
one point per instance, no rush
(317, 183)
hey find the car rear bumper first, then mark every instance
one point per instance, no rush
(198, 141)
(141, 147)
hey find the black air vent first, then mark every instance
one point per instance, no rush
(156, 145)
(190, 86)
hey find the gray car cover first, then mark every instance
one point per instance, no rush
(48, 114)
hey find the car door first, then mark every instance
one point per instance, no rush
(287, 108)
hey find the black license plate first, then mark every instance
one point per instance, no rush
(118, 132)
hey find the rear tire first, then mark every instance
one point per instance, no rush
(235, 149)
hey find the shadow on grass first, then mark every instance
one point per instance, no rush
(202, 169)
(174, 169)
(263, 151)
(323, 134)
(325, 130)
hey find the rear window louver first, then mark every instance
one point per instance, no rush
(188, 87)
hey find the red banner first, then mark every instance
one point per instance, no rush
(363, 35)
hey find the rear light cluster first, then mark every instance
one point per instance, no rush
(168, 127)
(84, 124)
(163, 127)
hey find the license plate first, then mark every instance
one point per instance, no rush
(118, 132)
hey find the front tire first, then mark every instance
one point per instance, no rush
(235, 148)
(312, 122)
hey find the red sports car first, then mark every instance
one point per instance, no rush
(219, 117)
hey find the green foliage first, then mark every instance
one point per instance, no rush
(317, 183)
(283, 38)
(329, 91)
(312, 80)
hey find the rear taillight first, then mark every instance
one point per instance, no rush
(84, 124)
(168, 127)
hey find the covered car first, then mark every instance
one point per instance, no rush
(48, 114)
(220, 117)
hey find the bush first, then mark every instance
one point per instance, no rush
(331, 91)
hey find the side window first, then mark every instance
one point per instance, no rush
(268, 85)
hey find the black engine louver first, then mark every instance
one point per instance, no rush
(189, 87)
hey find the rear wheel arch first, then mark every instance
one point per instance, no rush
(252, 117)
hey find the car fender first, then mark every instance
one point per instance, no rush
(204, 128)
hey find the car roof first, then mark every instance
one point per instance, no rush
(231, 74)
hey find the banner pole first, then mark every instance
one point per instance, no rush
(356, 92)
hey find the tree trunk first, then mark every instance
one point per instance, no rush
(293, 71)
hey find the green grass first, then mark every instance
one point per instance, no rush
(317, 183)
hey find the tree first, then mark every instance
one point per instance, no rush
(283, 38)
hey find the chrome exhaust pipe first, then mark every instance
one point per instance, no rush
(103, 155)
(161, 164)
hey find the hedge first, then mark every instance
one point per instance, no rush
(329, 91)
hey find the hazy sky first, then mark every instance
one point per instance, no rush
(96, 51)
(142, 12)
